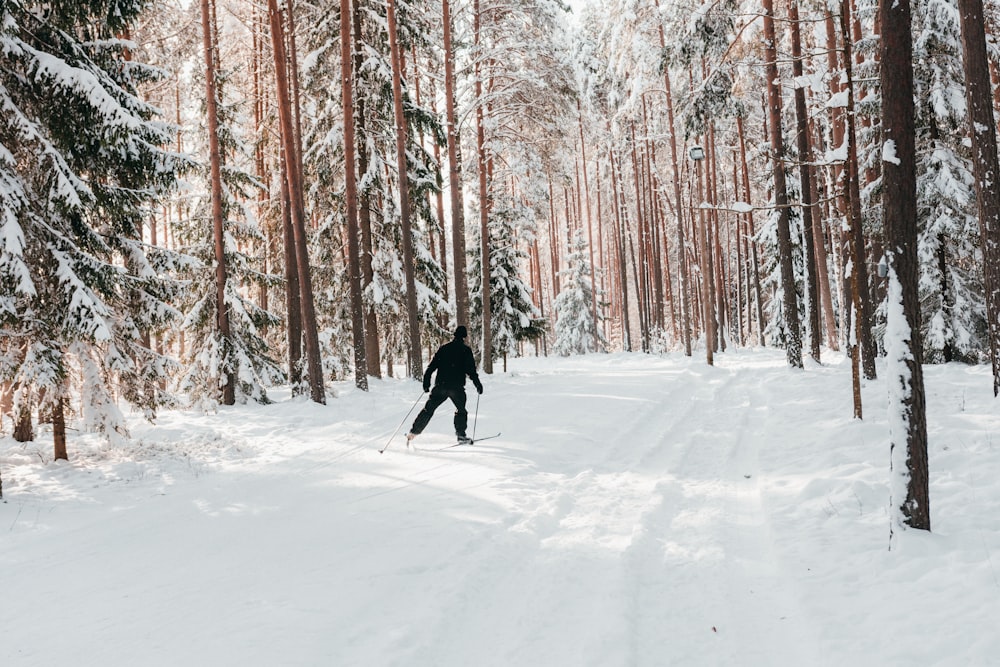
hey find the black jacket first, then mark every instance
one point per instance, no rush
(453, 361)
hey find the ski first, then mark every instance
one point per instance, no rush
(471, 442)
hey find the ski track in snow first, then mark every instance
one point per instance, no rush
(637, 511)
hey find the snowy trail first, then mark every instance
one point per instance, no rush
(638, 511)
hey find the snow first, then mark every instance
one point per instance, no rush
(889, 152)
(637, 510)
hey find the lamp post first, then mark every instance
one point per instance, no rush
(697, 153)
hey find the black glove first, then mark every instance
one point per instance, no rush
(427, 388)
(479, 387)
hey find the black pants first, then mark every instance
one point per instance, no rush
(438, 396)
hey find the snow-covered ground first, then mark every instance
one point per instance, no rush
(636, 511)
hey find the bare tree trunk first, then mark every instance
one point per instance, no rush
(416, 361)
(293, 295)
(215, 164)
(24, 430)
(837, 187)
(859, 262)
(793, 338)
(484, 199)
(682, 270)
(641, 285)
(620, 242)
(372, 349)
(293, 172)
(351, 200)
(754, 261)
(716, 273)
(982, 129)
(59, 429)
(899, 196)
(806, 176)
(705, 269)
(455, 173)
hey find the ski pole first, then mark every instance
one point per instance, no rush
(402, 422)
(475, 419)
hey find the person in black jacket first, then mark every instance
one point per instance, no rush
(453, 361)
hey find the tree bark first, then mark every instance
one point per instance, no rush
(620, 243)
(705, 269)
(215, 166)
(859, 262)
(293, 295)
(351, 201)
(682, 269)
(899, 196)
(754, 260)
(455, 173)
(372, 349)
(484, 197)
(805, 175)
(59, 429)
(293, 173)
(793, 338)
(416, 361)
(982, 130)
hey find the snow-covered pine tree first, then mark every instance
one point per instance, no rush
(515, 317)
(575, 329)
(210, 358)
(951, 297)
(384, 292)
(81, 162)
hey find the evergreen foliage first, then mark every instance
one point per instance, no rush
(209, 358)
(575, 329)
(81, 163)
(515, 317)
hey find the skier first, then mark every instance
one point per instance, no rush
(453, 361)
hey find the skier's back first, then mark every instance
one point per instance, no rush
(453, 362)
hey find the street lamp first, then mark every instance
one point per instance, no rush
(697, 154)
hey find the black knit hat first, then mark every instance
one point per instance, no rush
(461, 332)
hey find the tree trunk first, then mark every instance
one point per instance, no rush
(982, 129)
(455, 173)
(859, 261)
(682, 270)
(806, 176)
(484, 198)
(899, 196)
(24, 430)
(293, 170)
(293, 295)
(793, 338)
(751, 233)
(705, 270)
(590, 230)
(372, 349)
(351, 201)
(215, 164)
(620, 242)
(416, 361)
(59, 429)
(837, 185)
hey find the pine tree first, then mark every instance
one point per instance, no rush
(951, 298)
(80, 165)
(243, 356)
(377, 184)
(515, 316)
(575, 328)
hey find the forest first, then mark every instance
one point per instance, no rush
(200, 201)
